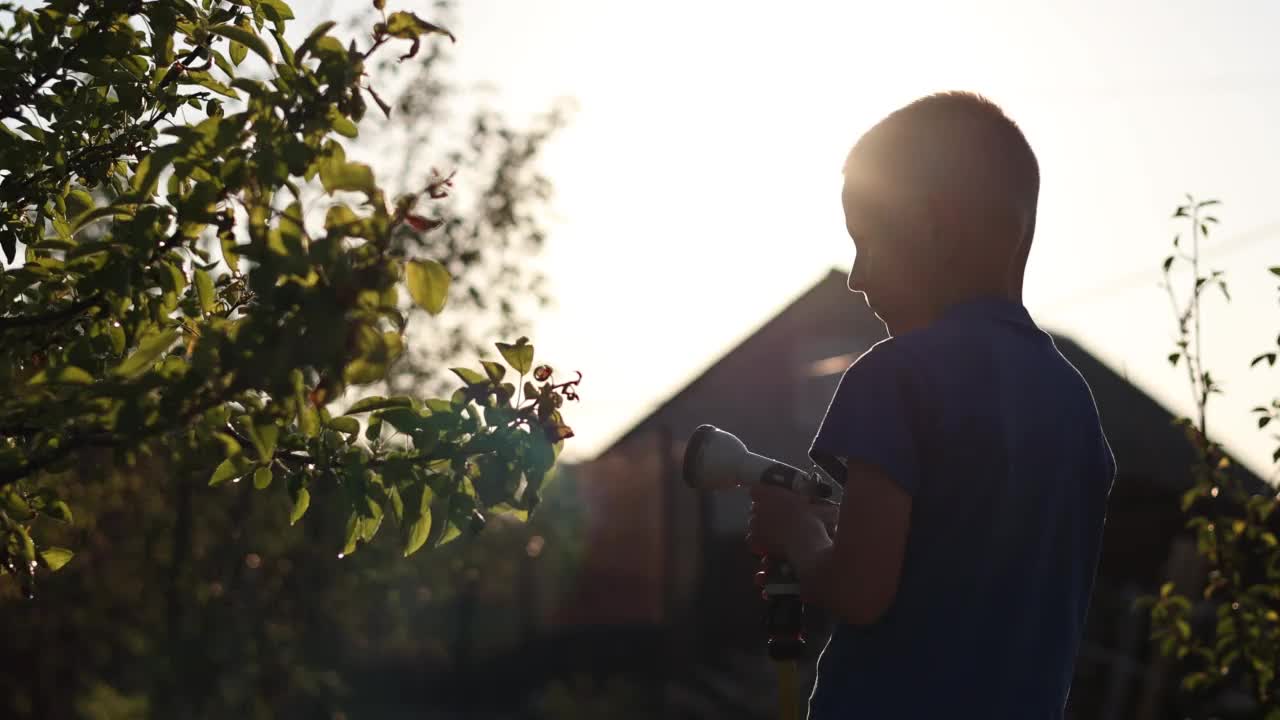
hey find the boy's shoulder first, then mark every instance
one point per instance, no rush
(969, 339)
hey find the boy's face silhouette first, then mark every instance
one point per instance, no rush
(886, 235)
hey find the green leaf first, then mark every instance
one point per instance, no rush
(361, 371)
(267, 433)
(396, 503)
(403, 419)
(78, 201)
(342, 175)
(438, 405)
(149, 169)
(519, 355)
(250, 86)
(263, 434)
(377, 402)
(34, 132)
(494, 370)
(352, 536)
(418, 532)
(56, 557)
(418, 513)
(407, 26)
(342, 124)
(209, 82)
(67, 375)
(469, 376)
(238, 49)
(341, 219)
(276, 10)
(368, 525)
(301, 501)
(262, 477)
(73, 375)
(97, 214)
(518, 513)
(145, 356)
(28, 545)
(59, 510)
(321, 30)
(230, 445)
(204, 291)
(15, 505)
(373, 428)
(348, 425)
(428, 284)
(226, 470)
(308, 419)
(245, 37)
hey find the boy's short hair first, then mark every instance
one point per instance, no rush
(959, 145)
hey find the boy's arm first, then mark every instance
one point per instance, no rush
(855, 574)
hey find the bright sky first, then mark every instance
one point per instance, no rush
(698, 182)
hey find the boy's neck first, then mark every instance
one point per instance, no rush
(930, 309)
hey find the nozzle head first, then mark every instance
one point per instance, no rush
(693, 453)
(711, 459)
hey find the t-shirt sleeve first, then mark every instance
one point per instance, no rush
(870, 419)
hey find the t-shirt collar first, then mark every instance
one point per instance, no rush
(990, 307)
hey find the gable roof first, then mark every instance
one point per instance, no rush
(1149, 449)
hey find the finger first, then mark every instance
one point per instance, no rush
(828, 514)
(769, 493)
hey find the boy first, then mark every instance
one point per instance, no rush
(976, 473)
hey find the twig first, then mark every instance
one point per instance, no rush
(21, 321)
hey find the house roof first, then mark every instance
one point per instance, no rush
(1148, 447)
(804, 299)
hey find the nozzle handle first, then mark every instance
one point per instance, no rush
(784, 611)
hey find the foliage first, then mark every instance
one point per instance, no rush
(1236, 641)
(580, 698)
(175, 299)
(489, 224)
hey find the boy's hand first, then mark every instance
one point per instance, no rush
(828, 511)
(781, 522)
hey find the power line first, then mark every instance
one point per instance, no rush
(1148, 276)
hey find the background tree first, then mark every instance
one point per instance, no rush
(488, 230)
(1228, 638)
(180, 311)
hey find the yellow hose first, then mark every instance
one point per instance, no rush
(788, 690)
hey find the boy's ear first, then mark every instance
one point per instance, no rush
(946, 213)
(939, 224)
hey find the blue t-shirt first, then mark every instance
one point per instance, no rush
(996, 437)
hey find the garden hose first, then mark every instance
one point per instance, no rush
(788, 690)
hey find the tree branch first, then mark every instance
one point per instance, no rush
(11, 475)
(20, 321)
